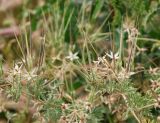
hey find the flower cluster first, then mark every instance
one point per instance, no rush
(75, 113)
(20, 72)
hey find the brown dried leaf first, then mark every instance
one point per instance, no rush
(10, 31)
(9, 4)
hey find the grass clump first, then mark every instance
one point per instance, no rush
(82, 62)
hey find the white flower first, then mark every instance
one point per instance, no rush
(113, 56)
(100, 60)
(17, 69)
(72, 56)
(30, 75)
(125, 75)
